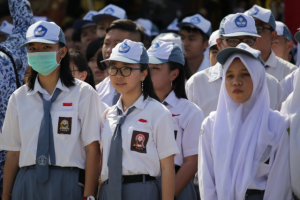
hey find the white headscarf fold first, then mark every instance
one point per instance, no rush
(240, 133)
(292, 107)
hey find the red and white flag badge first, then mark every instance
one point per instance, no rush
(173, 115)
(67, 106)
(142, 122)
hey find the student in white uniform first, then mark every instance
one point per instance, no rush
(195, 31)
(243, 149)
(283, 44)
(291, 107)
(137, 133)
(231, 34)
(166, 64)
(56, 145)
(266, 28)
(213, 48)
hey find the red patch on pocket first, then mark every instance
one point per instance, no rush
(64, 125)
(175, 115)
(67, 104)
(143, 120)
(139, 141)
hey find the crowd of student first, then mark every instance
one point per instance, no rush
(128, 113)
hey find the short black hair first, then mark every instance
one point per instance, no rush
(214, 47)
(76, 36)
(101, 65)
(127, 25)
(67, 25)
(148, 89)
(190, 29)
(78, 59)
(178, 85)
(93, 47)
(65, 74)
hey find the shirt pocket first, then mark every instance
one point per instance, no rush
(65, 124)
(176, 131)
(140, 139)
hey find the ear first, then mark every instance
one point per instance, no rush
(205, 45)
(273, 35)
(144, 74)
(290, 45)
(219, 41)
(83, 75)
(174, 74)
(63, 52)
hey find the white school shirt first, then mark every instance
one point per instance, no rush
(204, 64)
(288, 82)
(269, 177)
(106, 91)
(187, 120)
(203, 89)
(147, 137)
(278, 67)
(75, 119)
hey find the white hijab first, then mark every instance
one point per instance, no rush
(240, 133)
(292, 107)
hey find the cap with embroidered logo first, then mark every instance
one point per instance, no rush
(110, 11)
(197, 21)
(129, 52)
(238, 24)
(170, 37)
(262, 14)
(213, 39)
(150, 28)
(44, 32)
(223, 55)
(283, 30)
(86, 21)
(173, 26)
(6, 28)
(162, 52)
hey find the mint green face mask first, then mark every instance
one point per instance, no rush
(43, 62)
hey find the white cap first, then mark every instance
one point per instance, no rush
(262, 14)
(213, 39)
(173, 25)
(170, 37)
(283, 30)
(44, 32)
(6, 28)
(197, 21)
(129, 52)
(150, 28)
(110, 11)
(238, 24)
(86, 21)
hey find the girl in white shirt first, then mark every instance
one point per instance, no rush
(137, 133)
(166, 66)
(244, 145)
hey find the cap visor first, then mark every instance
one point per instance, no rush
(81, 23)
(40, 41)
(240, 34)
(96, 18)
(213, 44)
(183, 24)
(297, 37)
(121, 59)
(223, 55)
(154, 60)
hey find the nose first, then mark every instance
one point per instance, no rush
(237, 82)
(119, 75)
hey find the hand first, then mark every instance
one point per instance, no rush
(6, 197)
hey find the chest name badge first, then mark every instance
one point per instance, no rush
(139, 141)
(64, 125)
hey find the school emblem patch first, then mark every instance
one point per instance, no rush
(154, 48)
(139, 141)
(195, 20)
(40, 31)
(253, 11)
(42, 160)
(109, 11)
(64, 125)
(124, 48)
(240, 21)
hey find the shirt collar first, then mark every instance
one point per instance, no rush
(171, 99)
(139, 103)
(272, 60)
(38, 87)
(215, 72)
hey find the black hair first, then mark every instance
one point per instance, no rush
(187, 70)
(67, 25)
(148, 89)
(101, 65)
(76, 36)
(190, 29)
(93, 47)
(214, 47)
(65, 74)
(78, 59)
(127, 25)
(178, 85)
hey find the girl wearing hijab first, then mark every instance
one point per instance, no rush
(167, 72)
(137, 134)
(51, 130)
(243, 149)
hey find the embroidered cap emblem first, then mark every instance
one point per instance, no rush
(64, 125)
(124, 48)
(89, 16)
(154, 48)
(109, 11)
(253, 11)
(195, 20)
(42, 160)
(240, 21)
(241, 46)
(40, 31)
(3, 25)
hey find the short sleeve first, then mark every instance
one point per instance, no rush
(164, 136)
(10, 138)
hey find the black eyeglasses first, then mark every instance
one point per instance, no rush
(261, 29)
(233, 42)
(125, 71)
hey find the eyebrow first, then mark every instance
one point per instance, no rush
(229, 71)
